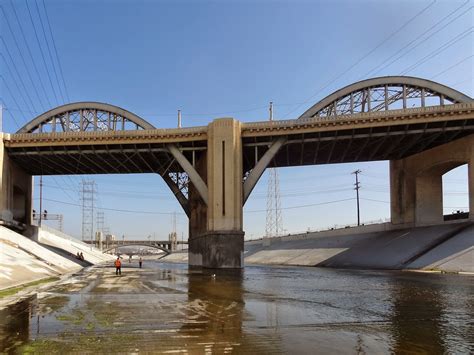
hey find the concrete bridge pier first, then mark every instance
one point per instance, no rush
(416, 182)
(16, 189)
(216, 238)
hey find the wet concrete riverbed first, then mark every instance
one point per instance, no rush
(167, 308)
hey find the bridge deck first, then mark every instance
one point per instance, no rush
(369, 136)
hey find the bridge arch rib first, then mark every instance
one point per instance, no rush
(85, 116)
(383, 94)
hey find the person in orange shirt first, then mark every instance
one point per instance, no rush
(118, 266)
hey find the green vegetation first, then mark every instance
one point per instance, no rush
(75, 317)
(14, 290)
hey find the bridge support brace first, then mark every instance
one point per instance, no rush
(216, 237)
(416, 182)
(16, 190)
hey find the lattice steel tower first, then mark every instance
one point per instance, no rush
(274, 225)
(88, 190)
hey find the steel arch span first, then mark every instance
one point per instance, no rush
(383, 94)
(85, 117)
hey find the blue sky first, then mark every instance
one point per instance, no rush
(212, 59)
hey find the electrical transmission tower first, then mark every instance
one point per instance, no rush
(88, 190)
(274, 225)
(100, 221)
(173, 236)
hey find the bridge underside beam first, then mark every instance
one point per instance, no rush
(352, 145)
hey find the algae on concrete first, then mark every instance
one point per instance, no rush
(14, 290)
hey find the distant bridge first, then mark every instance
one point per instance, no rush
(165, 245)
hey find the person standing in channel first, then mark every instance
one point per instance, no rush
(118, 266)
(140, 261)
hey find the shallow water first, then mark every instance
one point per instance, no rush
(169, 308)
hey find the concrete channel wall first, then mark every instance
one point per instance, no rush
(44, 254)
(448, 247)
(50, 237)
(23, 260)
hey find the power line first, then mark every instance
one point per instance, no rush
(364, 56)
(56, 52)
(20, 52)
(370, 199)
(377, 69)
(49, 50)
(452, 66)
(113, 209)
(30, 53)
(439, 50)
(41, 51)
(14, 99)
(303, 206)
(16, 71)
(20, 92)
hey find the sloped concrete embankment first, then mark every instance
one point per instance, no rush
(447, 247)
(67, 245)
(47, 253)
(23, 260)
(454, 255)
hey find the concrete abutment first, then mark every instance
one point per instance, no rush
(16, 189)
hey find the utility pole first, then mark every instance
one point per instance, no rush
(357, 187)
(271, 110)
(179, 118)
(41, 202)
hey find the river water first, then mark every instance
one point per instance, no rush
(168, 308)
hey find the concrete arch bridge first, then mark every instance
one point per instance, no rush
(148, 245)
(423, 128)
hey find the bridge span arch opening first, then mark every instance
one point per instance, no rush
(456, 193)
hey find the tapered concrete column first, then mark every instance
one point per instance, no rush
(198, 215)
(416, 182)
(429, 198)
(402, 193)
(16, 188)
(221, 246)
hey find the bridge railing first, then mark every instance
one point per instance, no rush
(143, 133)
(360, 116)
